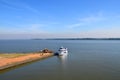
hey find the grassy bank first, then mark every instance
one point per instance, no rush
(13, 59)
(13, 55)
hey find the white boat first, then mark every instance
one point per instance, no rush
(62, 51)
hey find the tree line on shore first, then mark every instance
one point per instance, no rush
(79, 39)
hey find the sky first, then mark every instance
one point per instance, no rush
(26, 19)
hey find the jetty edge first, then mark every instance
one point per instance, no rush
(14, 59)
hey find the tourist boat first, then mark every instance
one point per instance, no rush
(62, 51)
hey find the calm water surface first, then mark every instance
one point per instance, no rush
(87, 60)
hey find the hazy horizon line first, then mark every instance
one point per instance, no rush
(87, 38)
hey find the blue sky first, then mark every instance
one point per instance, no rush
(21, 19)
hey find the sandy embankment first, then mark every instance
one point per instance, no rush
(6, 62)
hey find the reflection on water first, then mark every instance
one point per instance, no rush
(63, 60)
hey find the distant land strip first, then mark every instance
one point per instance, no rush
(78, 39)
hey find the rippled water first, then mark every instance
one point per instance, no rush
(87, 60)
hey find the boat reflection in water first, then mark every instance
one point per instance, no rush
(62, 56)
(63, 60)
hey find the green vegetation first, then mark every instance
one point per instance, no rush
(13, 55)
(79, 39)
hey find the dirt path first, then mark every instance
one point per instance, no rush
(12, 61)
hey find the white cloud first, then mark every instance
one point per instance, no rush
(31, 8)
(24, 29)
(76, 25)
(96, 33)
(88, 20)
(34, 28)
(91, 19)
(18, 6)
(102, 32)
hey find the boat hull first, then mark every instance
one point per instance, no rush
(62, 53)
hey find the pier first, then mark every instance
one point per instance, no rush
(14, 59)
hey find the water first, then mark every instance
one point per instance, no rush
(87, 60)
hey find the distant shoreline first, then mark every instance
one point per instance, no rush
(77, 39)
(66, 39)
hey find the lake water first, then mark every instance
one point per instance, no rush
(87, 60)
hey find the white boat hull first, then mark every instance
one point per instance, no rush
(62, 51)
(61, 54)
